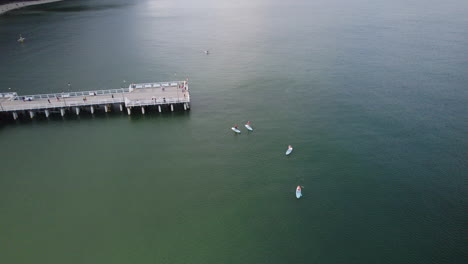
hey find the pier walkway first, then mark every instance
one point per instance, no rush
(142, 95)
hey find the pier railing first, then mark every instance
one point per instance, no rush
(62, 104)
(8, 95)
(158, 101)
(72, 94)
(69, 103)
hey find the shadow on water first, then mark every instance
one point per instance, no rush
(136, 117)
(67, 7)
(84, 7)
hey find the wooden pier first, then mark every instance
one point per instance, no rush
(141, 96)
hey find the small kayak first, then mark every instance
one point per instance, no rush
(248, 126)
(290, 149)
(298, 192)
(235, 130)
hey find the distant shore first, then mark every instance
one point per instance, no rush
(8, 7)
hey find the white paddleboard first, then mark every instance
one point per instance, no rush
(298, 192)
(235, 130)
(249, 127)
(290, 149)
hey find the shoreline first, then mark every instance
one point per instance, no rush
(11, 6)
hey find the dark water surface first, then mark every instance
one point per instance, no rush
(371, 94)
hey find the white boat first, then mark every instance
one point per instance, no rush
(21, 39)
(236, 130)
(248, 126)
(290, 149)
(298, 192)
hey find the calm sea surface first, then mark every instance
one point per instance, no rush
(371, 94)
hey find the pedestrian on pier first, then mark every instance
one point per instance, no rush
(48, 100)
(112, 95)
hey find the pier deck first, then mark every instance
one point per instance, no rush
(136, 95)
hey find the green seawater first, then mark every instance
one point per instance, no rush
(371, 94)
